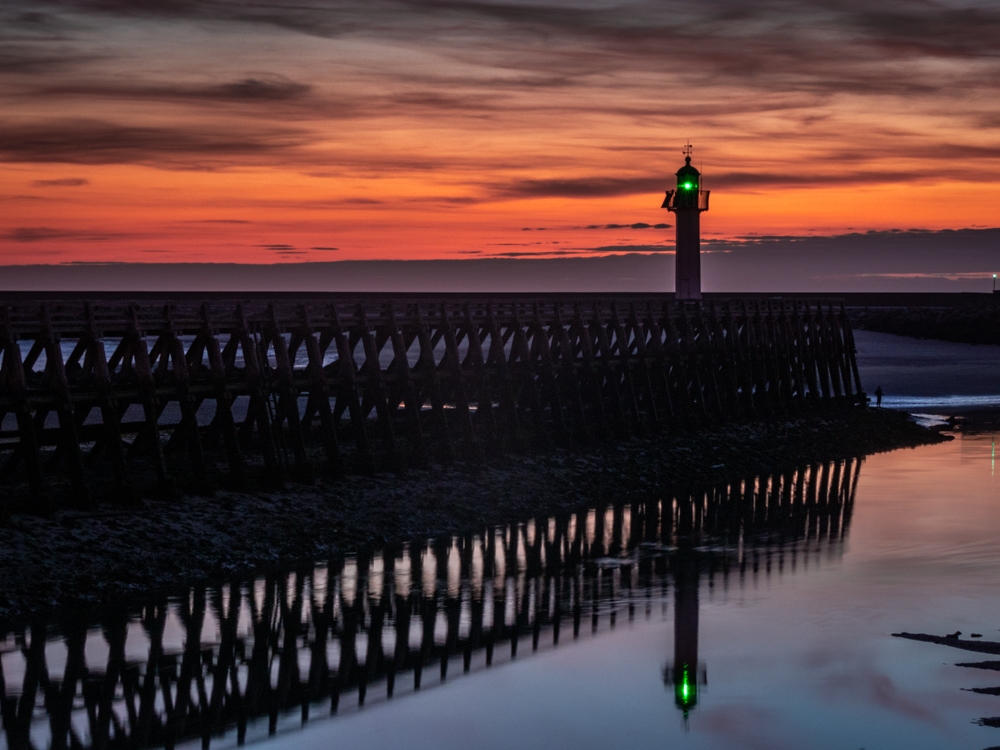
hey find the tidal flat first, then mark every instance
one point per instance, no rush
(72, 559)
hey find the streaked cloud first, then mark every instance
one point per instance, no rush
(46, 234)
(62, 182)
(271, 89)
(416, 129)
(103, 142)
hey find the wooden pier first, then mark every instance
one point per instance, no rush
(102, 393)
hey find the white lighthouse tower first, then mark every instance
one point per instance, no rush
(687, 202)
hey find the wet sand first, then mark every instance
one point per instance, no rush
(77, 559)
(921, 367)
(939, 377)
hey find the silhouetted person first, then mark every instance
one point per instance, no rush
(878, 397)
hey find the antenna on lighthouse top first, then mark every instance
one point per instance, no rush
(688, 149)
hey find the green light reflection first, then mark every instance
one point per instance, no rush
(685, 689)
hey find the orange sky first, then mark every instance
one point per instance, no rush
(228, 132)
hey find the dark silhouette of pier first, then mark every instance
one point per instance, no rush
(237, 661)
(103, 394)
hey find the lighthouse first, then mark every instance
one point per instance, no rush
(687, 202)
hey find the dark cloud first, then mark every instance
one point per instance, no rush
(270, 89)
(100, 142)
(285, 249)
(218, 221)
(850, 46)
(444, 200)
(787, 39)
(780, 177)
(34, 234)
(634, 225)
(97, 263)
(48, 234)
(886, 239)
(36, 43)
(258, 89)
(582, 252)
(436, 101)
(608, 186)
(627, 249)
(931, 29)
(19, 60)
(17, 198)
(535, 254)
(64, 182)
(510, 65)
(581, 187)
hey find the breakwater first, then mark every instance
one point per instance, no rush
(100, 394)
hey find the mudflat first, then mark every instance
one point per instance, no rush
(73, 559)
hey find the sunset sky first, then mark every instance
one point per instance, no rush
(263, 132)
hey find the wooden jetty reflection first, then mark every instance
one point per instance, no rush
(247, 658)
(105, 393)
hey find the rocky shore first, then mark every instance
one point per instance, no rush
(72, 559)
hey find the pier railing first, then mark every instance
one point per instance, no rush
(276, 386)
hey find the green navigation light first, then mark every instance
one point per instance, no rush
(688, 186)
(685, 688)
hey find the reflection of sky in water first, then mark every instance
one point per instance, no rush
(796, 645)
(798, 660)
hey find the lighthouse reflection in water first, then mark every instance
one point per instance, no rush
(230, 664)
(686, 674)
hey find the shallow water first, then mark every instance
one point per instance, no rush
(920, 375)
(779, 594)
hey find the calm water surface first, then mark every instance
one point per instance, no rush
(800, 658)
(754, 615)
